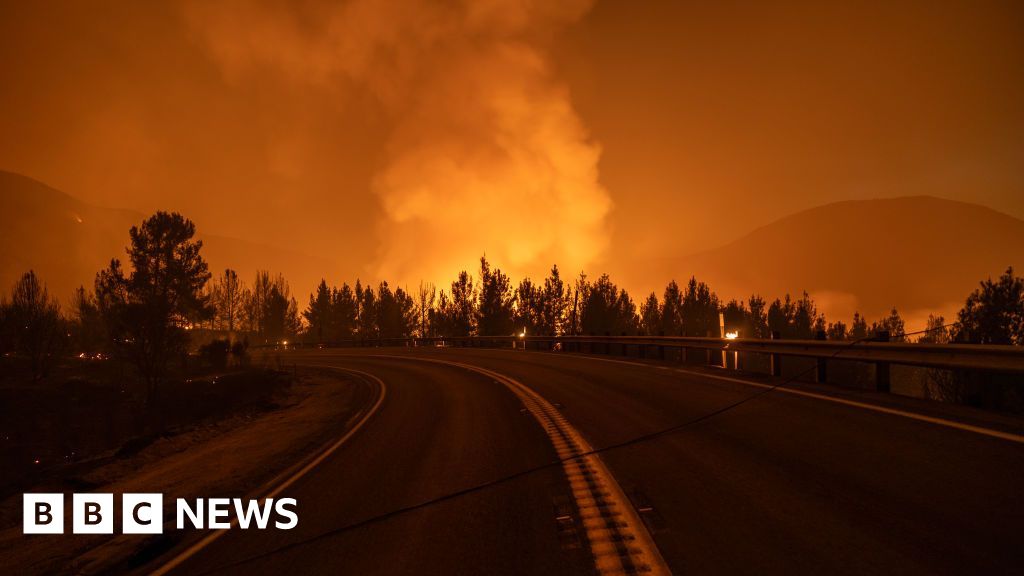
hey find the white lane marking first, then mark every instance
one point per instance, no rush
(854, 403)
(213, 536)
(619, 541)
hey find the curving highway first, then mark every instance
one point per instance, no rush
(802, 480)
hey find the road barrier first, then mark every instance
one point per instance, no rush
(726, 352)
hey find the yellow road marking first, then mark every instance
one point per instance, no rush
(604, 505)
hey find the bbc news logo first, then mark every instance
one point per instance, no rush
(143, 513)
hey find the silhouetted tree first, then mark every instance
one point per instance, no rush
(552, 305)
(758, 317)
(148, 309)
(86, 326)
(994, 312)
(892, 324)
(579, 294)
(257, 302)
(462, 306)
(367, 313)
(836, 331)
(737, 319)
(671, 313)
(699, 309)
(396, 314)
(607, 309)
(320, 312)
(859, 327)
(345, 315)
(227, 299)
(441, 317)
(529, 308)
(495, 307)
(650, 316)
(33, 323)
(795, 319)
(426, 296)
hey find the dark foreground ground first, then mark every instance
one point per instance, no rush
(783, 483)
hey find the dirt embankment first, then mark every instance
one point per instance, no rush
(234, 457)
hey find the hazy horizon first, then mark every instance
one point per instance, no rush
(606, 135)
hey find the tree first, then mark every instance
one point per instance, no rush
(530, 308)
(34, 323)
(699, 309)
(425, 296)
(395, 312)
(892, 325)
(319, 313)
(580, 293)
(607, 309)
(859, 327)
(994, 312)
(650, 316)
(148, 309)
(227, 298)
(87, 327)
(795, 319)
(367, 313)
(346, 313)
(836, 331)
(441, 318)
(462, 307)
(495, 306)
(257, 302)
(737, 318)
(407, 314)
(671, 314)
(936, 331)
(758, 317)
(552, 304)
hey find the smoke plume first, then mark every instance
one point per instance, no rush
(483, 152)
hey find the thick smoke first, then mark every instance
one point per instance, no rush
(484, 151)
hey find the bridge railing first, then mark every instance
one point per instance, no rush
(726, 352)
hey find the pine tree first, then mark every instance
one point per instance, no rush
(650, 316)
(494, 311)
(994, 312)
(671, 314)
(148, 309)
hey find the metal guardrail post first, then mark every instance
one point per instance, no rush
(883, 382)
(821, 368)
(776, 359)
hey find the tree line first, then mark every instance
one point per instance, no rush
(144, 311)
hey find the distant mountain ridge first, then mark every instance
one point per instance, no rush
(66, 241)
(920, 254)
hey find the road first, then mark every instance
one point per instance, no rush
(782, 483)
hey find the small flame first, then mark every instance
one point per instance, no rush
(732, 335)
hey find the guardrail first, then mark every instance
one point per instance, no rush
(719, 351)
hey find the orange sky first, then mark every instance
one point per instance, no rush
(401, 138)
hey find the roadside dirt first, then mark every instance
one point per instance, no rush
(243, 453)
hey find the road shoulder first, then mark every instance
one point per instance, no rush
(247, 452)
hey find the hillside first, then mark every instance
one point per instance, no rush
(66, 241)
(920, 254)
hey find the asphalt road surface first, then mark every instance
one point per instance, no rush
(783, 483)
